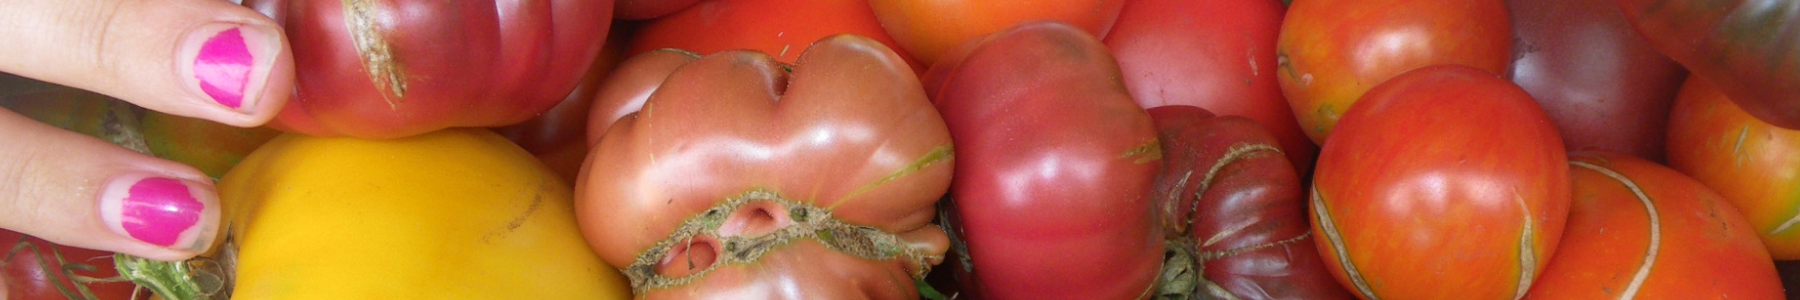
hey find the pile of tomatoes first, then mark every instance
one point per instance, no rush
(895, 149)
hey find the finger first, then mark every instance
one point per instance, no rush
(205, 59)
(76, 190)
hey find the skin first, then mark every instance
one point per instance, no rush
(1464, 197)
(1595, 76)
(1641, 230)
(930, 29)
(1749, 162)
(1744, 47)
(848, 130)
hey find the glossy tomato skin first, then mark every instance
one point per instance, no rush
(558, 137)
(1054, 169)
(1232, 200)
(780, 28)
(735, 148)
(425, 65)
(1744, 47)
(31, 270)
(1214, 54)
(1330, 52)
(930, 29)
(625, 91)
(648, 9)
(1446, 182)
(1596, 77)
(1639, 229)
(1748, 161)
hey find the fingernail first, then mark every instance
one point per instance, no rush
(229, 63)
(167, 212)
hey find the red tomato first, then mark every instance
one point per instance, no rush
(423, 65)
(741, 179)
(928, 29)
(781, 28)
(630, 85)
(1054, 169)
(1217, 55)
(1745, 47)
(1445, 182)
(1332, 51)
(648, 9)
(558, 136)
(35, 269)
(1232, 204)
(1748, 161)
(1594, 75)
(1640, 229)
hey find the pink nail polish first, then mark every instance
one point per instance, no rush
(223, 67)
(158, 210)
(163, 211)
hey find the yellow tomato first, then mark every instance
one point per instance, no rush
(454, 214)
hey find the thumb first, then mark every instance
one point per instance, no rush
(205, 59)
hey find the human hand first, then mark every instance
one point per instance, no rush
(205, 59)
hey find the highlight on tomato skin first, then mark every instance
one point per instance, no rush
(1639, 229)
(1601, 82)
(739, 176)
(389, 69)
(1445, 182)
(1055, 166)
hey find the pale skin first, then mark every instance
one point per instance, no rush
(144, 52)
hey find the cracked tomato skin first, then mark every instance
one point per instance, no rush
(847, 130)
(1233, 197)
(1054, 170)
(453, 63)
(1330, 52)
(1641, 230)
(1749, 161)
(1445, 182)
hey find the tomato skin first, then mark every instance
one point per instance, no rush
(1231, 197)
(1330, 52)
(1743, 47)
(846, 131)
(1612, 234)
(457, 63)
(1446, 182)
(452, 214)
(648, 9)
(558, 136)
(24, 276)
(1595, 76)
(1747, 160)
(1218, 55)
(1055, 165)
(930, 29)
(780, 28)
(625, 92)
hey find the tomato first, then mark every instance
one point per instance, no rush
(452, 214)
(1750, 162)
(1052, 187)
(781, 28)
(1445, 182)
(35, 269)
(1595, 76)
(648, 9)
(386, 69)
(211, 147)
(1639, 228)
(1330, 52)
(929, 29)
(625, 91)
(742, 177)
(1744, 47)
(1232, 206)
(1217, 55)
(557, 136)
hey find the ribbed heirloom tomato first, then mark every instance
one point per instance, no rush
(385, 69)
(740, 177)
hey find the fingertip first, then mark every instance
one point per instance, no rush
(238, 74)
